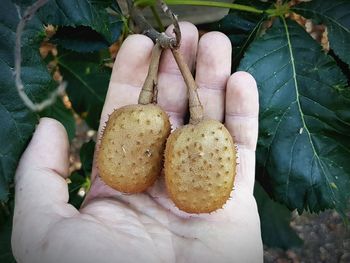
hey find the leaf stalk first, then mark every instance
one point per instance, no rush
(246, 8)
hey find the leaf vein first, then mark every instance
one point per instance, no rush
(299, 107)
(82, 81)
(290, 167)
(267, 54)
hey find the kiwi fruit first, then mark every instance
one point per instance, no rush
(200, 158)
(130, 155)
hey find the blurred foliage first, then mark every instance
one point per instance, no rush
(304, 144)
(80, 180)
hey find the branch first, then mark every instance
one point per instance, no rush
(195, 106)
(28, 15)
(145, 28)
(175, 21)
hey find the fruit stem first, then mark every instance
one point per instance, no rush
(195, 105)
(149, 88)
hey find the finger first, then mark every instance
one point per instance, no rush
(47, 150)
(242, 108)
(41, 173)
(241, 119)
(172, 91)
(212, 72)
(129, 72)
(41, 192)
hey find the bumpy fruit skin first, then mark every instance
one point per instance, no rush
(200, 166)
(130, 156)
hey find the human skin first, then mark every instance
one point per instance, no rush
(145, 227)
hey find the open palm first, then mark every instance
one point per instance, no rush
(146, 227)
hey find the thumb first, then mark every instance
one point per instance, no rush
(48, 148)
(41, 192)
(43, 166)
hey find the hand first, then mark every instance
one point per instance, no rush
(146, 227)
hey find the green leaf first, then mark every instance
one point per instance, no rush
(304, 141)
(335, 15)
(81, 179)
(80, 39)
(85, 39)
(59, 112)
(88, 80)
(342, 65)
(79, 13)
(77, 181)
(84, 25)
(275, 222)
(6, 215)
(241, 27)
(18, 122)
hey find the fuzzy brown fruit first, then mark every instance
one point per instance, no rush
(200, 166)
(132, 146)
